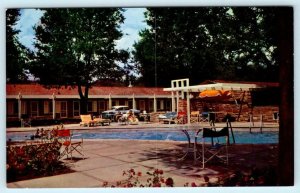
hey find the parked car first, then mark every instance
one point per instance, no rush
(168, 115)
(117, 112)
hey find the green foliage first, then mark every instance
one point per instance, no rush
(207, 43)
(16, 53)
(76, 47)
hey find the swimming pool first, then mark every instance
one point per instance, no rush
(241, 137)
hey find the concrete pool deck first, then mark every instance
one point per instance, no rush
(105, 161)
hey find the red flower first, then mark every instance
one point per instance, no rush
(162, 180)
(169, 182)
(193, 184)
(139, 173)
(105, 184)
(157, 185)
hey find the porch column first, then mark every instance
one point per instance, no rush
(133, 102)
(188, 106)
(154, 104)
(177, 100)
(53, 106)
(173, 102)
(109, 101)
(19, 106)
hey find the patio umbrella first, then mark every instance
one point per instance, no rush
(215, 94)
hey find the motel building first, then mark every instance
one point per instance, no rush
(36, 102)
(247, 99)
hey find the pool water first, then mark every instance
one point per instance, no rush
(241, 137)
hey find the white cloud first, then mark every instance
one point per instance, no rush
(133, 23)
(29, 17)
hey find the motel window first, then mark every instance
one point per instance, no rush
(121, 102)
(115, 102)
(89, 106)
(12, 107)
(47, 107)
(142, 105)
(102, 106)
(76, 108)
(151, 103)
(160, 105)
(130, 104)
(168, 105)
(57, 107)
(92, 106)
(23, 107)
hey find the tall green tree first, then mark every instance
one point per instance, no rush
(206, 43)
(76, 47)
(16, 53)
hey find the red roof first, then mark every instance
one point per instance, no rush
(36, 89)
(264, 84)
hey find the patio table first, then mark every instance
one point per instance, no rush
(189, 130)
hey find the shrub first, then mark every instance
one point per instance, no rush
(155, 179)
(256, 177)
(33, 159)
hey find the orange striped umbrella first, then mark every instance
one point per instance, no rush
(215, 94)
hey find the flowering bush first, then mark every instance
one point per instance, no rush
(155, 179)
(40, 158)
(256, 177)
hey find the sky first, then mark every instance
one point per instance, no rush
(134, 22)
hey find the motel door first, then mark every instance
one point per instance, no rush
(142, 105)
(63, 109)
(34, 108)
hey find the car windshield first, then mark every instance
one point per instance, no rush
(170, 114)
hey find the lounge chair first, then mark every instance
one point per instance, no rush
(100, 121)
(87, 120)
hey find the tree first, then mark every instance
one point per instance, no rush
(16, 53)
(76, 47)
(207, 43)
(285, 34)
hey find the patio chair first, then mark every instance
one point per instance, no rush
(87, 120)
(215, 151)
(204, 117)
(195, 117)
(181, 118)
(64, 137)
(25, 121)
(123, 120)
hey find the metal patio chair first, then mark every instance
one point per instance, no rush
(68, 146)
(217, 151)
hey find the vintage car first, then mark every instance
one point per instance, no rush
(117, 112)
